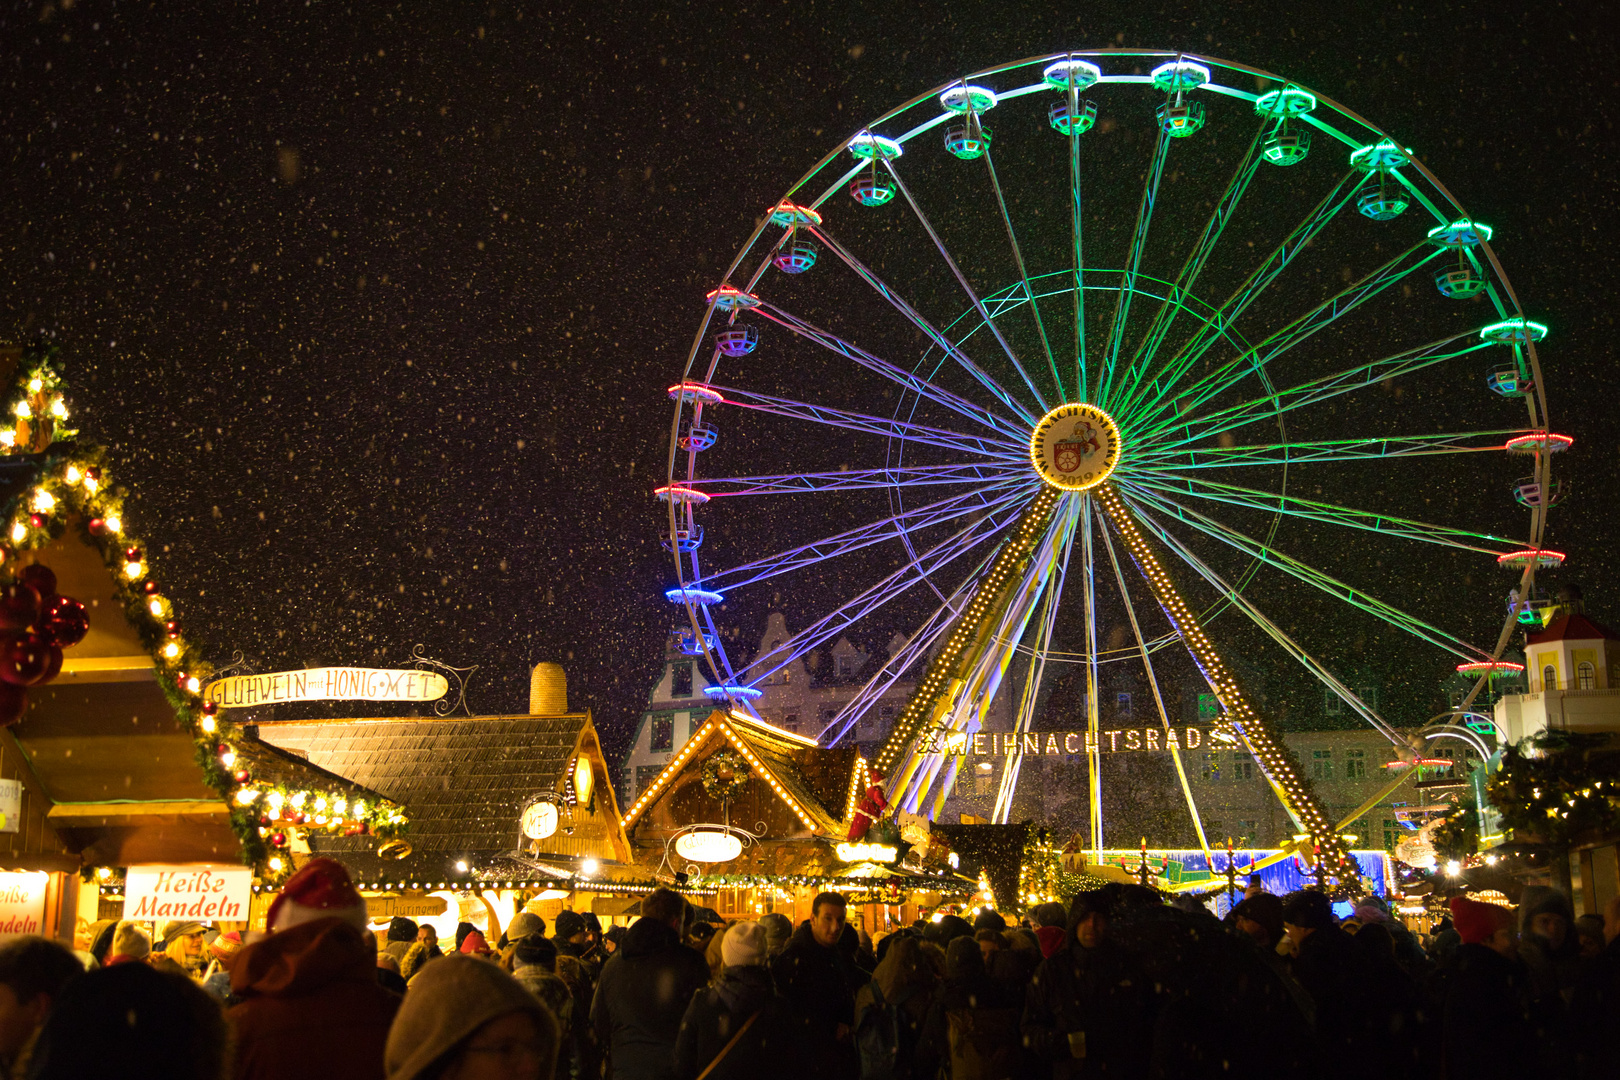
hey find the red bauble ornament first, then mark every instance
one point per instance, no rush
(150, 588)
(97, 526)
(278, 839)
(19, 606)
(242, 776)
(13, 701)
(38, 521)
(264, 819)
(93, 473)
(172, 628)
(24, 659)
(132, 554)
(41, 577)
(65, 622)
(7, 554)
(209, 708)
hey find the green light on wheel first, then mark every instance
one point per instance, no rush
(1289, 101)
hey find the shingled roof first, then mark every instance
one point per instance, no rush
(465, 781)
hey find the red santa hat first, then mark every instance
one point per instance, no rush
(321, 890)
(1476, 922)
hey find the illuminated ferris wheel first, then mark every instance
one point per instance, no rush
(1112, 338)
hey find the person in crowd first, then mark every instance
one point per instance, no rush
(1085, 1014)
(613, 940)
(890, 1012)
(388, 976)
(1589, 935)
(1487, 1024)
(1336, 975)
(972, 1028)
(33, 973)
(948, 929)
(778, 932)
(1597, 1003)
(135, 1023)
(1049, 919)
(535, 968)
(183, 942)
(1260, 918)
(1396, 1022)
(428, 935)
(130, 943)
(1444, 941)
(819, 982)
(466, 1019)
(644, 990)
(415, 959)
(473, 944)
(569, 933)
(594, 955)
(525, 924)
(584, 1053)
(1409, 952)
(402, 932)
(990, 942)
(463, 928)
(1547, 943)
(739, 1028)
(221, 956)
(988, 919)
(309, 1005)
(714, 955)
(699, 937)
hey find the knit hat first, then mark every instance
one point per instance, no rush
(778, 931)
(474, 943)
(617, 934)
(525, 924)
(536, 949)
(226, 946)
(1372, 909)
(130, 940)
(745, 944)
(401, 929)
(1308, 909)
(568, 923)
(1476, 922)
(1265, 909)
(1543, 900)
(321, 890)
(449, 1001)
(989, 920)
(179, 928)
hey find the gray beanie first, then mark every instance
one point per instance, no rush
(524, 924)
(449, 1000)
(778, 932)
(744, 945)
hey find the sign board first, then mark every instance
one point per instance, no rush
(203, 893)
(379, 908)
(708, 846)
(10, 805)
(326, 684)
(22, 904)
(539, 820)
(1109, 741)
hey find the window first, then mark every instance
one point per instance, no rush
(1209, 707)
(1122, 706)
(680, 680)
(981, 783)
(1355, 765)
(1585, 676)
(663, 732)
(693, 722)
(829, 713)
(1332, 704)
(886, 713)
(1212, 767)
(1549, 678)
(1368, 696)
(1392, 833)
(645, 775)
(1322, 764)
(1242, 766)
(846, 666)
(790, 721)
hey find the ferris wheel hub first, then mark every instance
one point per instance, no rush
(1075, 447)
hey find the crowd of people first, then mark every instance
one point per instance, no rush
(1119, 983)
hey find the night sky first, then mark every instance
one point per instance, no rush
(375, 308)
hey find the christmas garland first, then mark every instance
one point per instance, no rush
(1556, 786)
(72, 486)
(724, 788)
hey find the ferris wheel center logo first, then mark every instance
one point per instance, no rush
(1075, 447)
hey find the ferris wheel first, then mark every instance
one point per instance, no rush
(1085, 358)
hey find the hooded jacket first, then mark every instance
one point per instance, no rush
(641, 997)
(769, 1047)
(309, 1006)
(1095, 996)
(1487, 1024)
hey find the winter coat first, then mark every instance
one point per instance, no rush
(1592, 1016)
(819, 983)
(1341, 981)
(641, 997)
(771, 1046)
(973, 1029)
(1488, 1029)
(1088, 1014)
(913, 999)
(555, 996)
(309, 1006)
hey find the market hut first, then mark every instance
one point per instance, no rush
(763, 815)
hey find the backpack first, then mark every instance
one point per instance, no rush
(884, 1037)
(984, 1043)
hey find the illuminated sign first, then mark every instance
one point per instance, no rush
(201, 893)
(539, 820)
(326, 684)
(10, 805)
(22, 903)
(1107, 741)
(708, 847)
(884, 853)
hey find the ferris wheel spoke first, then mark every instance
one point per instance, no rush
(1326, 450)
(1181, 290)
(916, 384)
(1305, 326)
(987, 499)
(1139, 496)
(999, 449)
(717, 487)
(1193, 429)
(1023, 272)
(1077, 238)
(962, 280)
(1326, 513)
(1151, 394)
(930, 563)
(1133, 267)
(1275, 632)
(912, 315)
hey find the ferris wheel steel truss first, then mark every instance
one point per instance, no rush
(1002, 539)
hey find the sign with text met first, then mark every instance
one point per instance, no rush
(326, 684)
(200, 893)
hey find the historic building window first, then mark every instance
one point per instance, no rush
(663, 732)
(1242, 766)
(1322, 764)
(1355, 764)
(1211, 770)
(680, 679)
(1585, 676)
(1549, 678)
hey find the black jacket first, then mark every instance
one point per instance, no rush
(819, 983)
(769, 1047)
(1096, 991)
(640, 999)
(1488, 1030)
(1339, 977)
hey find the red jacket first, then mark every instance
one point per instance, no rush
(310, 1006)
